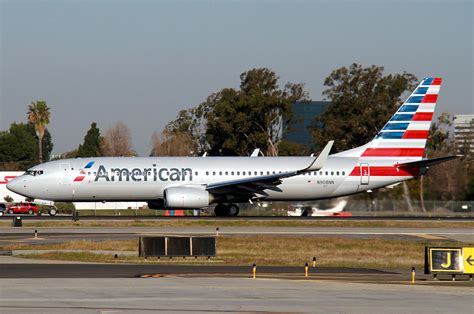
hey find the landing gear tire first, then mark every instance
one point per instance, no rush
(220, 210)
(232, 210)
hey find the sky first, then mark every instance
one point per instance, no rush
(143, 61)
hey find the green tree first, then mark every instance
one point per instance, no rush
(91, 145)
(38, 116)
(18, 147)
(241, 120)
(288, 148)
(363, 99)
(235, 121)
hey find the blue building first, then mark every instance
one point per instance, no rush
(304, 113)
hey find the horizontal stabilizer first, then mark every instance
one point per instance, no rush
(427, 162)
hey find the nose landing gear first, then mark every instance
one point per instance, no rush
(226, 210)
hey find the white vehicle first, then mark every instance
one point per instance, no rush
(394, 155)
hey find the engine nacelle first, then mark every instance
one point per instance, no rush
(186, 197)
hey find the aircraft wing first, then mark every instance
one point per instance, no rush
(257, 185)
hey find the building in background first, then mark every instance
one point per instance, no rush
(299, 130)
(464, 133)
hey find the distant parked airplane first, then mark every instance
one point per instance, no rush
(394, 155)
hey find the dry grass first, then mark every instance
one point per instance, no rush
(109, 245)
(266, 250)
(244, 223)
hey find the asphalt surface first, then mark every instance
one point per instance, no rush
(8, 234)
(136, 270)
(225, 295)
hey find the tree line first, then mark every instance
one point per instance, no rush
(234, 121)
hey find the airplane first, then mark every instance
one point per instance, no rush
(314, 211)
(394, 155)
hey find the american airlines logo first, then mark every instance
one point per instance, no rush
(137, 174)
(82, 173)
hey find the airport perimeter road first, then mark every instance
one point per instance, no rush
(225, 295)
(458, 234)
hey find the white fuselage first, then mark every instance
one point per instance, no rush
(146, 178)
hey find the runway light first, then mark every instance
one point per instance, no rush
(217, 231)
(254, 271)
(36, 234)
(314, 261)
(306, 269)
(413, 273)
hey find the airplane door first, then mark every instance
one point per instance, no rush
(364, 174)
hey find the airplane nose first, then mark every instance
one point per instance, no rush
(14, 185)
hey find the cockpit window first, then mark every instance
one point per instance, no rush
(34, 172)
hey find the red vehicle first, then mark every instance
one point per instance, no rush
(23, 208)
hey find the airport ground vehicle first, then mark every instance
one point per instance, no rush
(23, 208)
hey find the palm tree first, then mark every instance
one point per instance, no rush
(38, 115)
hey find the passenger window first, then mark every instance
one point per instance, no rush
(226, 173)
(196, 173)
(343, 173)
(255, 173)
(213, 173)
(238, 173)
(220, 173)
(337, 173)
(243, 173)
(268, 172)
(326, 173)
(332, 173)
(232, 173)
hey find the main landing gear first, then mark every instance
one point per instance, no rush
(226, 210)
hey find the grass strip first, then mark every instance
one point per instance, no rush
(263, 250)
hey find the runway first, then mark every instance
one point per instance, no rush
(459, 217)
(457, 234)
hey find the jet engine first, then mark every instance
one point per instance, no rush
(186, 197)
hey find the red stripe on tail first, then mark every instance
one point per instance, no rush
(393, 152)
(420, 134)
(388, 171)
(422, 116)
(430, 98)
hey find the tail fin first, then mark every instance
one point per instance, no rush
(405, 134)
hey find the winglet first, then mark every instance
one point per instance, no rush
(255, 152)
(319, 162)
